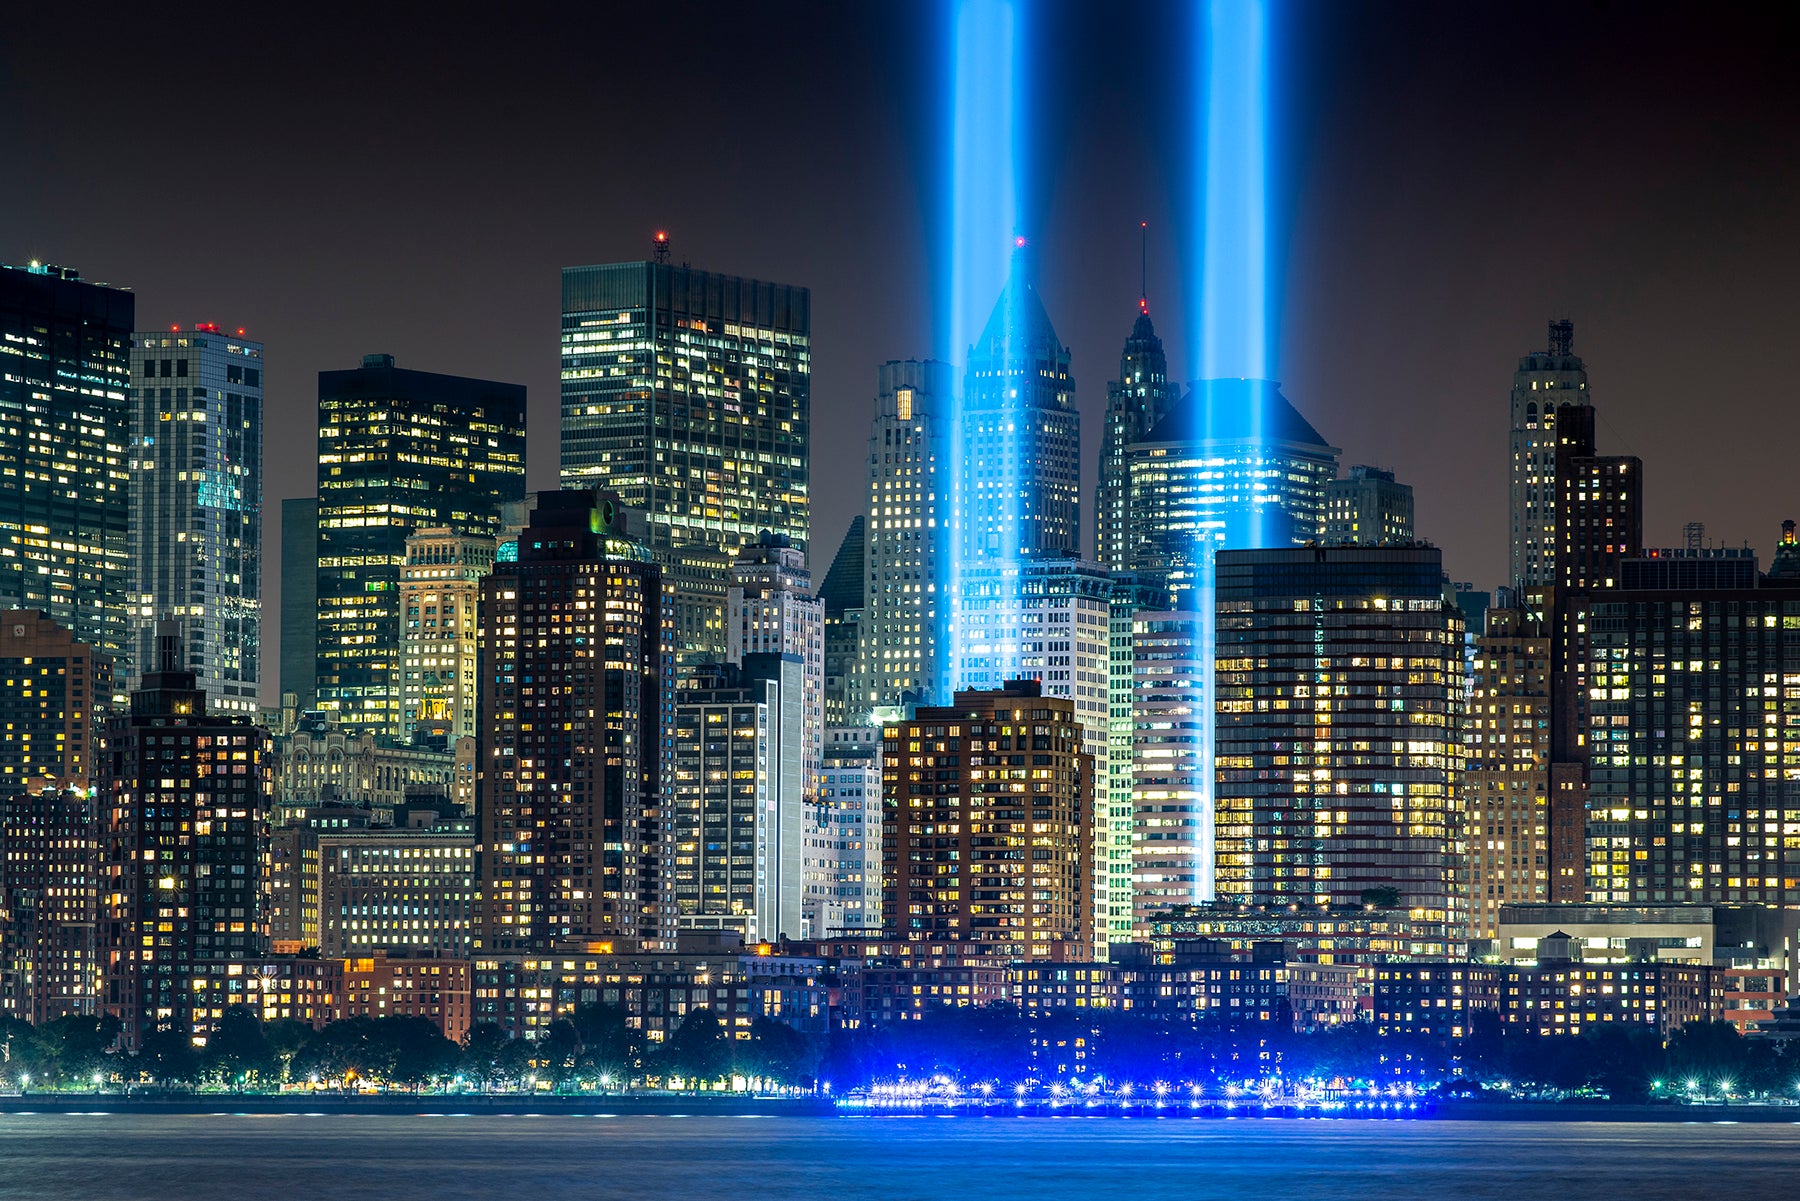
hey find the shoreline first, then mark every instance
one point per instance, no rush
(653, 1105)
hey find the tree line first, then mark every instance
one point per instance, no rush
(998, 1046)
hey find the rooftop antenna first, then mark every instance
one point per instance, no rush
(1144, 268)
(662, 245)
(1694, 535)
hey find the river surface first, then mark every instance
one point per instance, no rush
(99, 1157)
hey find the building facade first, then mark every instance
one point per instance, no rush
(399, 451)
(399, 890)
(185, 800)
(1506, 773)
(53, 685)
(987, 834)
(843, 839)
(440, 593)
(1544, 381)
(65, 431)
(575, 719)
(196, 501)
(1136, 403)
(300, 600)
(1368, 508)
(1172, 827)
(49, 903)
(841, 592)
(689, 393)
(906, 613)
(1339, 709)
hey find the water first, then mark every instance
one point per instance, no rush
(156, 1158)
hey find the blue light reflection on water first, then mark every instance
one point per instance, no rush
(56, 1158)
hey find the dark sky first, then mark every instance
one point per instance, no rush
(377, 178)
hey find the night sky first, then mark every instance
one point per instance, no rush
(342, 181)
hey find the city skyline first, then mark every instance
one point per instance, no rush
(1657, 239)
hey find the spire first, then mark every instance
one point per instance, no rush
(1143, 268)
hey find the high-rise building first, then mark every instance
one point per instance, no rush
(1018, 445)
(65, 432)
(196, 505)
(1368, 508)
(843, 851)
(300, 600)
(738, 814)
(987, 826)
(49, 901)
(1050, 621)
(1694, 728)
(842, 594)
(575, 718)
(689, 394)
(1115, 826)
(440, 595)
(905, 627)
(1545, 380)
(399, 451)
(1232, 464)
(1339, 707)
(770, 610)
(1505, 782)
(1135, 403)
(52, 684)
(185, 803)
(1172, 830)
(401, 890)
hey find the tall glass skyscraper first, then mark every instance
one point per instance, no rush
(689, 393)
(196, 499)
(399, 451)
(906, 553)
(65, 425)
(1233, 464)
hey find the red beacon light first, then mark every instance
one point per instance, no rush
(240, 332)
(206, 327)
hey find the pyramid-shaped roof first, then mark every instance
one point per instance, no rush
(1018, 324)
(1236, 410)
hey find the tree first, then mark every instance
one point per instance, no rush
(167, 1055)
(75, 1047)
(412, 1051)
(489, 1057)
(697, 1050)
(238, 1053)
(775, 1053)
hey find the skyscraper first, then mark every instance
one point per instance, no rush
(842, 595)
(689, 394)
(51, 685)
(1172, 831)
(186, 800)
(843, 851)
(738, 815)
(1506, 774)
(50, 895)
(399, 451)
(65, 430)
(1694, 726)
(1232, 464)
(1545, 380)
(574, 719)
(981, 847)
(300, 599)
(770, 609)
(1339, 702)
(440, 594)
(1135, 402)
(1018, 445)
(905, 627)
(196, 499)
(1369, 508)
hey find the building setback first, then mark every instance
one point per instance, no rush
(1369, 508)
(987, 832)
(196, 500)
(399, 451)
(575, 716)
(65, 429)
(1339, 682)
